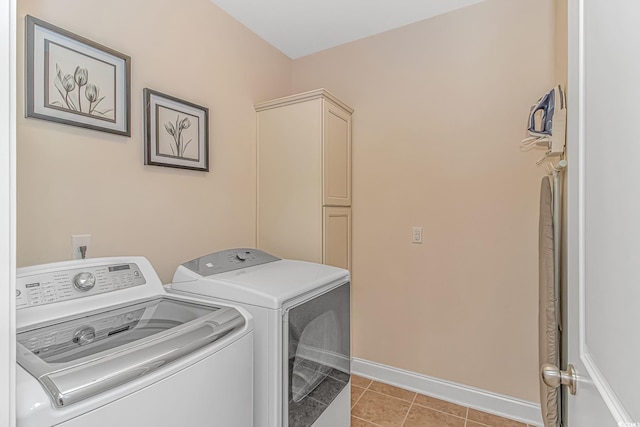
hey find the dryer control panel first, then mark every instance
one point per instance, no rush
(229, 260)
(50, 287)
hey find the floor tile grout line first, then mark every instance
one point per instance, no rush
(388, 395)
(358, 399)
(363, 392)
(464, 417)
(479, 423)
(409, 410)
(415, 394)
(366, 421)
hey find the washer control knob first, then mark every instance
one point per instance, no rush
(241, 257)
(84, 335)
(84, 281)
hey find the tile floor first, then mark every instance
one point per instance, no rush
(377, 404)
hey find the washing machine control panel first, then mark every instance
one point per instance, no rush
(50, 287)
(69, 336)
(229, 260)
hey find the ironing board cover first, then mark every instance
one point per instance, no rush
(547, 321)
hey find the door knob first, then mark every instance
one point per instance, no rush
(553, 377)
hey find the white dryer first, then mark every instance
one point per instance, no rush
(302, 325)
(100, 343)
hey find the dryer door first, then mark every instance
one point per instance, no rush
(319, 356)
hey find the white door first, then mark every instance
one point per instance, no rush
(604, 212)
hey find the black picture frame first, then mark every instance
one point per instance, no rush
(176, 132)
(75, 81)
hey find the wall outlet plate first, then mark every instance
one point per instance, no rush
(416, 236)
(77, 241)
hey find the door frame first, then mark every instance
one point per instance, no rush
(7, 212)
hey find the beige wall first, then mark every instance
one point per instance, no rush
(440, 107)
(561, 40)
(76, 181)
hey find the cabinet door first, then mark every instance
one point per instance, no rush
(336, 156)
(289, 216)
(337, 237)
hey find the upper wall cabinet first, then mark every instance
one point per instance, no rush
(316, 122)
(304, 166)
(336, 154)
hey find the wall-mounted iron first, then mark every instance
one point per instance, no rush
(547, 124)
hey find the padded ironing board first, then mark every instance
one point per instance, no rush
(547, 317)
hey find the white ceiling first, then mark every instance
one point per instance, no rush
(302, 27)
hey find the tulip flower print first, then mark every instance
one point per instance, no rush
(178, 138)
(77, 84)
(69, 85)
(81, 77)
(92, 93)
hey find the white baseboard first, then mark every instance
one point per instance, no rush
(509, 407)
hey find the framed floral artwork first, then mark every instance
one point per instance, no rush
(176, 132)
(75, 81)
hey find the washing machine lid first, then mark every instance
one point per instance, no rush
(266, 284)
(81, 356)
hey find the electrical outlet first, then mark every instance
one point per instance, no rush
(416, 235)
(77, 241)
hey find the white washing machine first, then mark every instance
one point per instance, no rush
(101, 343)
(302, 325)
